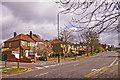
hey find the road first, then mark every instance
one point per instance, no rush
(73, 69)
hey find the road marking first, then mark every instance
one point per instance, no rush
(76, 64)
(93, 70)
(98, 70)
(41, 74)
(39, 67)
(113, 62)
(52, 65)
(46, 66)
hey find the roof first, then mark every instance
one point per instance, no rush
(20, 37)
(11, 49)
(24, 47)
(36, 39)
(54, 41)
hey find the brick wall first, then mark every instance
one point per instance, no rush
(11, 58)
(50, 59)
(25, 59)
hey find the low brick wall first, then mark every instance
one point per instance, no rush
(33, 57)
(11, 58)
(25, 59)
(85, 54)
(50, 59)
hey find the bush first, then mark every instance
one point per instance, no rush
(100, 49)
(109, 49)
(54, 54)
(70, 54)
(80, 52)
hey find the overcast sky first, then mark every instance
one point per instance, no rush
(39, 17)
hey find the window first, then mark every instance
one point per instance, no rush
(9, 44)
(28, 44)
(23, 42)
(31, 44)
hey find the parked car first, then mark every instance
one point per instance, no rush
(118, 50)
(43, 58)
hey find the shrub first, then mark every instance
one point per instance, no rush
(70, 54)
(100, 49)
(80, 52)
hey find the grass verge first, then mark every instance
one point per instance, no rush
(83, 57)
(4, 67)
(13, 70)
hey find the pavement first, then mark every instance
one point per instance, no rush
(83, 68)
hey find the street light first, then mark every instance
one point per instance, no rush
(58, 36)
(58, 16)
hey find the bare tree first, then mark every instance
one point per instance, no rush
(97, 15)
(91, 40)
(43, 49)
(67, 35)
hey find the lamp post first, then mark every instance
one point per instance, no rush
(58, 17)
(58, 36)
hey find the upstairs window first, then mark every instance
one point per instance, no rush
(31, 44)
(23, 42)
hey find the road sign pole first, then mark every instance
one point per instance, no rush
(18, 64)
(5, 63)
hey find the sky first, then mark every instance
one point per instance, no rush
(40, 17)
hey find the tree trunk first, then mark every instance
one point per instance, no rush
(91, 50)
(87, 50)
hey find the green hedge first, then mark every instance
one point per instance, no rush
(80, 52)
(100, 49)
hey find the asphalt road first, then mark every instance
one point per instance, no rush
(73, 69)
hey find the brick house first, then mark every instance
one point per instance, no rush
(20, 46)
(62, 46)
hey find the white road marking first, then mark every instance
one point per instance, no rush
(76, 64)
(46, 66)
(39, 67)
(52, 65)
(113, 62)
(93, 70)
(41, 74)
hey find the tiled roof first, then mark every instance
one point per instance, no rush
(20, 36)
(24, 47)
(36, 39)
(11, 49)
(55, 41)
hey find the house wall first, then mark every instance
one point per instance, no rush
(16, 54)
(17, 44)
(56, 47)
(14, 44)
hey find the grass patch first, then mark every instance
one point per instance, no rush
(83, 57)
(4, 67)
(13, 70)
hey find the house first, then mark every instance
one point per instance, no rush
(20, 46)
(56, 45)
(62, 46)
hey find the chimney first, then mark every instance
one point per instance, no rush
(15, 34)
(30, 33)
